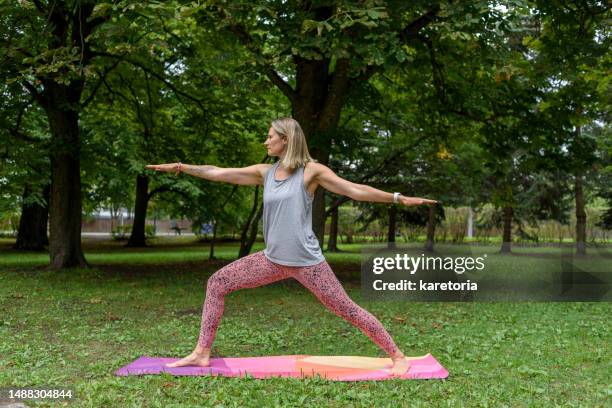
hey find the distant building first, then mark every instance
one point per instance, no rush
(104, 221)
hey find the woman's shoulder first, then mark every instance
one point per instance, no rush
(313, 164)
(264, 168)
(314, 167)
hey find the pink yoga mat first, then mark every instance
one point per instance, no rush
(283, 366)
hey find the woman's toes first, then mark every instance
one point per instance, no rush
(400, 367)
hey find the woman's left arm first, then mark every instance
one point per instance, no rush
(360, 192)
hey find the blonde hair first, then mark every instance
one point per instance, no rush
(297, 153)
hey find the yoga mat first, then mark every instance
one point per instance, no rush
(338, 368)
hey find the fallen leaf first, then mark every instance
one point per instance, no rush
(112, 317)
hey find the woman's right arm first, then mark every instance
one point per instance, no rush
(251, 175)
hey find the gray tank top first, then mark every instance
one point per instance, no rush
(287, 221)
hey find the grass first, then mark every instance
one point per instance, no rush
(76, 327)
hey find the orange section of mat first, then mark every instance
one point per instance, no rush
(338, 366)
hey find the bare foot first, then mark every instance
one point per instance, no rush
(193, 359)
(400, 366)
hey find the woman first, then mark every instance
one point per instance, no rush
(292, 250)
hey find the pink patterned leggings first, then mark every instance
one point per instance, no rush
(257, 270)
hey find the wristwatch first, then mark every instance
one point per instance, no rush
(395, 197)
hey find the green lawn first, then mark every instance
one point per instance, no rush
(76, 327)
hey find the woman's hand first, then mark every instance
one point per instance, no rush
(408, 201)
(169, 167)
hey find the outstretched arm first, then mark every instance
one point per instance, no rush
(251, 175)
(360, 192)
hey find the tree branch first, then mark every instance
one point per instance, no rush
(39, 6)
(25, 137)
(368, 73)
(100, 82)
(412, 30)
(247, 40)
(440, 85)
(96, 21)
(164, 189)
(155, 75)
(436, 70)
(20, 115)
(135, 101)
(397, 155)
(113, 92)
(16, 131)
(150, 99)
(283, 86)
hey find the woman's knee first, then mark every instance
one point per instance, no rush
(217, 284)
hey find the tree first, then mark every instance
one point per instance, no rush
(318, 53)
(572, 50)
(25, 166)
(51, 63)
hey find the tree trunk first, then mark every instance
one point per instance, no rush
(211, 255)
(60, 93)
(32, 233)
(470, 223)
(247, 240)
(319, 147)
(137, 237)
(318, 101)
(253, 234)
(507, 234)
(392, 227)
(580, 216)
(65, 200)
(431, 229)
(332, 245)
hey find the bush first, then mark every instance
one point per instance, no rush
(149, 231)
(121, 232)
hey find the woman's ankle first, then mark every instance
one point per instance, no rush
(397, 356)
(201, 351)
